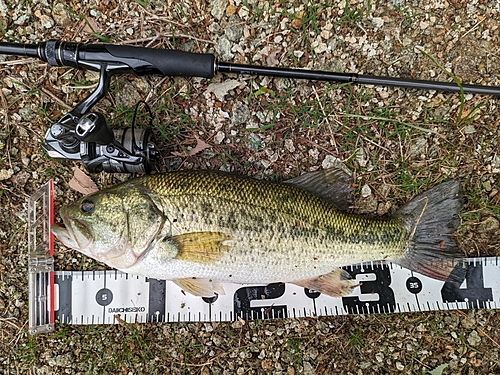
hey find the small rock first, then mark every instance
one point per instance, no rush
(46, 21)
(320, 48)
(141, 84)
(469, 129)
(254, 142)
(61, 15)
(22, 19)
(489, 225)
(241, 113)
(230, 10)
(219, 137)
(329, 161)
(400, 366)
(267, 364)
(474, 339)
(308, 369)
(219, 8)
(364, 365)
(223, 48)
(25, 159)
(378, 22)
(128, 96)
(366, 191)
(20, 179)
(312, 352)
(27, 113)
(5, 174)
(234, 29)
(314, 154)
(496, 164)
(418, 148)
(361, 157)
(367, 205)
(291, 148)
(221, 89)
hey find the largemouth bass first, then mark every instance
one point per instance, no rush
(201, 228)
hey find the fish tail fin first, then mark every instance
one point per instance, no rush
(431, 218)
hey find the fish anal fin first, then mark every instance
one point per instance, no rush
(201, 247)
(337, 283)
(200, 287)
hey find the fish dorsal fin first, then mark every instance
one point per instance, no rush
(201, 247)
(333, 184)
(201, 287)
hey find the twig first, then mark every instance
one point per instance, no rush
(48, 93)
(83, 87)
(473, 28)
(209, 362)
(8, 321)
(18, 62)
(5, 107)
(419, 217)
(479, 329)
(168, 35)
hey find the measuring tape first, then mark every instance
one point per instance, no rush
(108, 297)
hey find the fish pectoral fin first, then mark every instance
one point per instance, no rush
(201, 287)
(337, 283)
(201, 247)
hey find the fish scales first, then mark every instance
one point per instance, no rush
(291, 232)
(200, 228)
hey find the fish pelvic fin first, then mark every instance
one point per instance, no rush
(201, 287)
(431, 218)
(201, 247)
(337, 283)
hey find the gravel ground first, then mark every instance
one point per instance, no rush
(398, 142)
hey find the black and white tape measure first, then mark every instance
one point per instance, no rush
(99, 297)
(107, 297)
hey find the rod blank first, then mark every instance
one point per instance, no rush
(320, 75)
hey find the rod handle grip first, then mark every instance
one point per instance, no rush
(168, 62)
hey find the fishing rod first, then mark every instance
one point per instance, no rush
(82, 134)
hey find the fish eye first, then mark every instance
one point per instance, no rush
(87, 207)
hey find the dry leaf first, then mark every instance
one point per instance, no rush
(297, 23)
(272, 60)
(200, 146)
(82, 183)
(89, 25)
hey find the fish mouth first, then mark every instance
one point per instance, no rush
(73, 233)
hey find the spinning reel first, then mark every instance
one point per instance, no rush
(88, 138)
